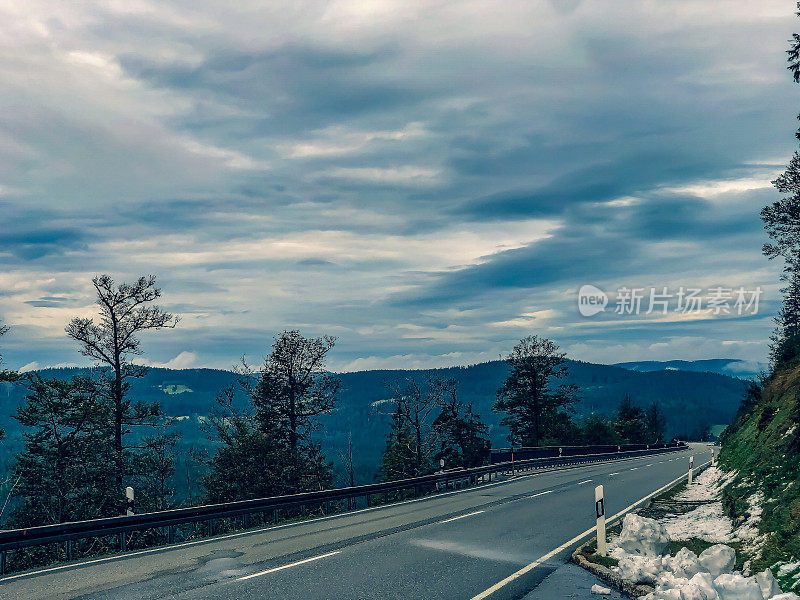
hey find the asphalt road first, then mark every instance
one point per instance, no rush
(496, 541)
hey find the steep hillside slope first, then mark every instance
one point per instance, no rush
(763, 448)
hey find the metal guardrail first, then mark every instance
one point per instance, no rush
(500, 455)
(68, 532)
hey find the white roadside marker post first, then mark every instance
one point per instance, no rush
(129, 501)
(600, 511)
(691, 469)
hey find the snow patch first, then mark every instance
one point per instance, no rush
(708, 522)
(748, 532)
(706, 486)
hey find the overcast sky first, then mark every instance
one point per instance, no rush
(428, 181)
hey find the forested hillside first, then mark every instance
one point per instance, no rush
(691, 400)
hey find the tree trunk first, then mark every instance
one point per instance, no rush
(119, 466)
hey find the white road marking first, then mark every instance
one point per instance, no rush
(650, 465)
(540, 494)
(582, 482)
(612, 474)
(634, 468)
(294, 564)
(527, 568)
(472, 514)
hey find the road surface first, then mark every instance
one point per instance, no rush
(496, 541)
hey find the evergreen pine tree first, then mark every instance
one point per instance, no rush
(66, 469)
(630, 423)
(535, 408)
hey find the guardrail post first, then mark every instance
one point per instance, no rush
(691, 469)
(171, 534)
(600, 511)
(3, 562)
(69, 549)
(123, 541)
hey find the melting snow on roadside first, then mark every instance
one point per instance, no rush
(706, 486)
(642, 550)
(707, 522)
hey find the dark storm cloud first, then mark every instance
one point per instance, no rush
(29, 242)
(297, 86)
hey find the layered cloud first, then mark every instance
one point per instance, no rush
(427, 181)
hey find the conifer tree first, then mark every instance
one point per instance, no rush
(65, 471)
(535, 405)
(267, 443)
(630, 422)
(782, 223)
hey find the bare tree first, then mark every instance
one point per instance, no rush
(4, 374)
(414, 440)
(347, 460)
(125, 312)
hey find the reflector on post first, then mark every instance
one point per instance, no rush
(600, 511)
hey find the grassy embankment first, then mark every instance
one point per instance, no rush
(763, 447)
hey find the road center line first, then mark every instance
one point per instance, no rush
(582, 482)
(472, 514)
(514, 576)
(294, 564)
(634, 468)
(540, 494)
(612, 474)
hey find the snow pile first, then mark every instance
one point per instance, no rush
(600, 590)
(642, 536)
(684, 564)
(718, 559)
(642, 552)
(716, 581)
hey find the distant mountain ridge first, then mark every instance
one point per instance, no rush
(732, 367)
(689, 398)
